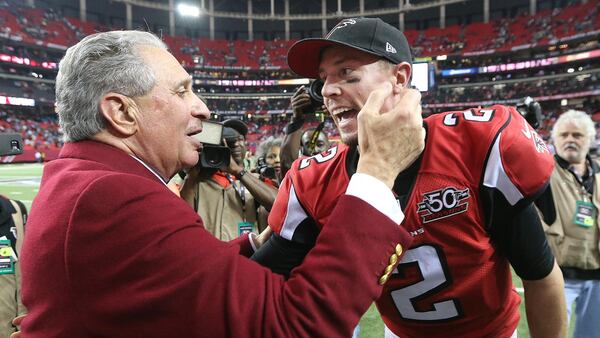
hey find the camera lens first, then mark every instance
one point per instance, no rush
(314, 90)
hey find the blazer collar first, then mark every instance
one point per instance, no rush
(107, 155)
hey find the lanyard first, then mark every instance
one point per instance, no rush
(241, 193)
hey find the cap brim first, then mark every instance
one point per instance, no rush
(304, 56)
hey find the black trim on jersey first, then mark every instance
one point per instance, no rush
(307, 231)
(352, 160)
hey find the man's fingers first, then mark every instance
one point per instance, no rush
(18, 320)
(408, 109)
(376, 99)
(301, 88)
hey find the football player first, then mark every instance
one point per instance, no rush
(467, 199)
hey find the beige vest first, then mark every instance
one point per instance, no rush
(10, 285)
(221, 209)
(573, 245)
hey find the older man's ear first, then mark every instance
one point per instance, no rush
(121, 114)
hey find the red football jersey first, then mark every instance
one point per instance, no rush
(451, 282)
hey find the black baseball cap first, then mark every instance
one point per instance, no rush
(370, 35)
(237, 125)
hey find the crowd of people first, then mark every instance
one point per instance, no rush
(500, 34)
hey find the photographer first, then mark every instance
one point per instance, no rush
(268, 161)
(228, 199)
(13, 215)
(298, 141)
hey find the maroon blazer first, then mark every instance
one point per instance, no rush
(111, 252)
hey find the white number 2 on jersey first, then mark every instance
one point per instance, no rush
(484, 115)
(434, 277)
(319, 158)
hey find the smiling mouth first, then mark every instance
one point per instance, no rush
(349, 114)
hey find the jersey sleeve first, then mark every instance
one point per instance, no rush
(517, 171)
(519, 163)
(288, 217)
(279, 209)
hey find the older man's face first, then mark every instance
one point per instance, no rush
(170, 115)
(571, 142)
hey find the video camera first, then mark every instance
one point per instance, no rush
(214, 155)
(531, 111)
(11, 144)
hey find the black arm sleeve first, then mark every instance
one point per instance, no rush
(517, 232)
(281, 255)
(545, 204)
(523, 241)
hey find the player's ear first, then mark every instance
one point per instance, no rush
(403, 73)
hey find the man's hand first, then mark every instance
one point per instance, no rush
(17, 322)
(262, 238)
(390, 141)
(300, 101)
(234, 168)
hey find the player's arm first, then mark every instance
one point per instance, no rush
(511, 185)
(281, 255)
(545, 305)
(524, 242)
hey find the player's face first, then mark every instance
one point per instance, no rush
(349, 76)
(169, 115)
(571, 142)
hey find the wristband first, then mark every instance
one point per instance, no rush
(241, 174)
(293, 126)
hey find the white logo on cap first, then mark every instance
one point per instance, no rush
(342, 24)
(389, 48)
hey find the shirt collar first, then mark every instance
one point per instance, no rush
(150, 169)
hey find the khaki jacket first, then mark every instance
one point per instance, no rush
(222, 208)
(573, 245)
(10, 284)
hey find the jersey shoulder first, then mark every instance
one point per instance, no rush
(514, 157)
(310, 189)
(308, 170)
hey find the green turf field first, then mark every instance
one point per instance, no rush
(21, 181)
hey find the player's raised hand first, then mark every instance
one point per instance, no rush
(390, 141)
